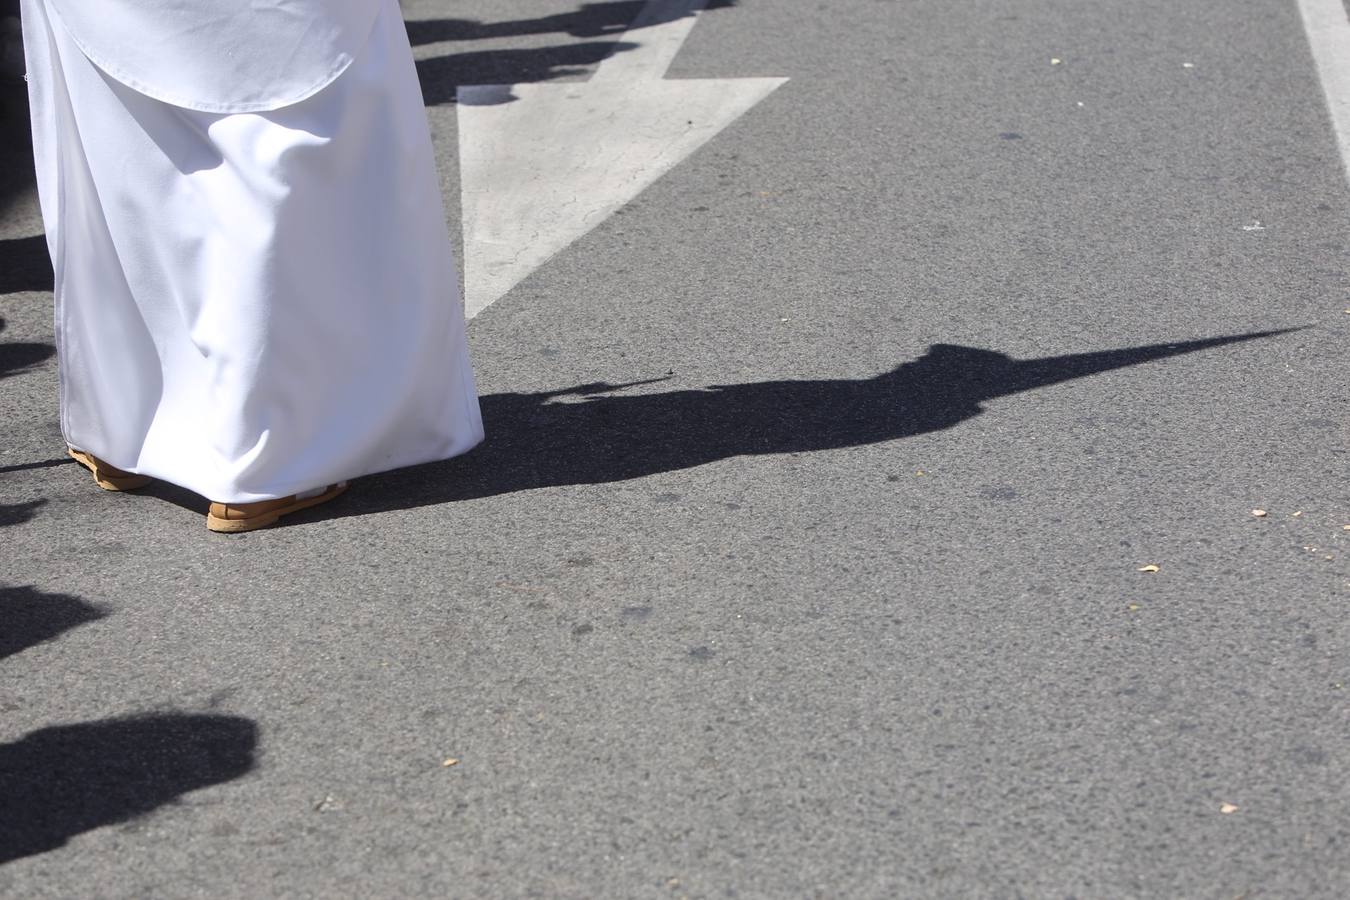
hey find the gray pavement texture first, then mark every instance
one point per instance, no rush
(869, 620)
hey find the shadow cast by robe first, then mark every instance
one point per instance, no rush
(59, 782)
(589, 434)
(29, 616)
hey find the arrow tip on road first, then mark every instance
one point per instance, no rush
(543, 164)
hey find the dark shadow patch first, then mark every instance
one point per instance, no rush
(18, 513)
(59, 782)
(29, 616)
(16, 147)
(15, 359)
(442, 76)
(25, 265)
(41, 464)
(185, 499)
(590, 20)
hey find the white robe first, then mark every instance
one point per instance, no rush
(255, 294)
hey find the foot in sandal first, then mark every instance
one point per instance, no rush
(110, 478)
(236, 517)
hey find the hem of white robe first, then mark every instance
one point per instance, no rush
(283, 490)
(288, 489)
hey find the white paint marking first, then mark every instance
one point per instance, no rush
(543, 164)
(1329, 34)
(665, 26)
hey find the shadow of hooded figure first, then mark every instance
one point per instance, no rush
(590, 434)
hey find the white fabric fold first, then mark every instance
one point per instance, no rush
(220, 55)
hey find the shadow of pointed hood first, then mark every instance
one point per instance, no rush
(996, 374)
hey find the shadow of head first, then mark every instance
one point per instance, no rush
(59, 782)
(29, 616)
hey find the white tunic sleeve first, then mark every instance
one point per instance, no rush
(221, 56)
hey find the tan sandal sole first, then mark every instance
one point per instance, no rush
(223, 525)
(103, 473)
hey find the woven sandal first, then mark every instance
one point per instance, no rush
(231, 518)
(110, 478)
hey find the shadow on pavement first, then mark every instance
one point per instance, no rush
(25, 265)
(58, 782)
(589, 20)
(29, 616)
(536, 441)
(19, 357)
(40, 464)
(18, 513)
(16, 151)
(441, 76)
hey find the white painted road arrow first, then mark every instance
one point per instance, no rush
(543, 164)
(1329, 35)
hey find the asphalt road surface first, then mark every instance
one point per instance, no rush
(931, 353)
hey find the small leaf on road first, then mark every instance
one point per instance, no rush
(450, 762)
(1148, 568)
(1259, 513)
(1228, 809)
